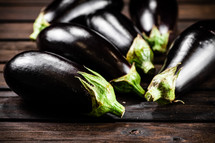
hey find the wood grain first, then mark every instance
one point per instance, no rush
(199, 107)
(1, 68)
(107, 132)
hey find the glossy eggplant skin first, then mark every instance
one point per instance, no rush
(82, 45)
(56, 8)
(195, 50)
(116, 27)
(68, 10)
(47, 77)
(147, 13)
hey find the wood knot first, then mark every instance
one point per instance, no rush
(134, 132)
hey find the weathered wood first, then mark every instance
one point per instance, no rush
(199, 107)
(1, 68)
(4, 94)
(186, 11)
(10, 49)
(108, 132)
(15, 30)
(3, 85)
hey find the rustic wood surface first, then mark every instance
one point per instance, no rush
(143, 121)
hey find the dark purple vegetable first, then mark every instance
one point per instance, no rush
(149, 13)
(47, 77)
(194, 50)
(86, 47)
(64, 11)
(118, 29)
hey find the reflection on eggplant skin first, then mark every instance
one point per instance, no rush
(117, 28)
(195, 50)
(86, 7)
(82, 45)
(147, 13)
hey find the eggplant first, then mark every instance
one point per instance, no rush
(84, 46)
(43, 76)
(116, 27)
(119, 30)
(192, 56)
(156, 19)
(65, 11)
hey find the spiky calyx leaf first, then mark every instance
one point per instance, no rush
(162, 87)
(157, 41)
(129, 83)
(141, 54)
(102, 95)
(39, 24)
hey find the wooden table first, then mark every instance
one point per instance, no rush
(142, 122)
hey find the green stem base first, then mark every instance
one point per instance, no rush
(129, 83)
(162, 87)
(39, 24)
(157, 41)
(102, 95)
(141, 54)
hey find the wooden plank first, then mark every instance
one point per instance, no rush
(199, 107)
(7, 94)
(196, 1)
(3, 85)
(15, 30)
(10, 49)
(24, 2)
(19, 12)
(108, 132)
(1, 68)
(191, 11)
(186, 11)
(19, 45)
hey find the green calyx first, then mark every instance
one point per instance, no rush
(141, 54)
(157, 41)
(39, 24)
(102, 95)
(129, 83)
(162, 87)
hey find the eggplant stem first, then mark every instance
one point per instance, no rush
(102, 95)
(39, 24)
(129, 83)
(162, 87)
(157, 41)
(141, 54)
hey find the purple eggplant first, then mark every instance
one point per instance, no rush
(119, 30)
(156, 19)
(41, 76)
(193, 52)
(65, 11)
(84, 46)
(116, 27)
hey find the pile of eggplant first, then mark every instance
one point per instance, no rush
(88, 51)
